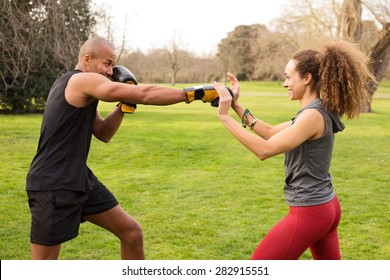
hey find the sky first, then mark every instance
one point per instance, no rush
(197, 25)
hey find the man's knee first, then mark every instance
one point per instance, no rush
(134, 233)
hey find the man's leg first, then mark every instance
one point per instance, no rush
(43, 217)
(127, 229)
(40, 252)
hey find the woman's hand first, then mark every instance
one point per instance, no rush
(235, 87)
(225, 99)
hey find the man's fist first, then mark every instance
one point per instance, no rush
(123, 75)
(206, 93)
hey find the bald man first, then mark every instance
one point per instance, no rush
(62, 191)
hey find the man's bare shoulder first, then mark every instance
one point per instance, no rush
(82, 78)
(80, 88)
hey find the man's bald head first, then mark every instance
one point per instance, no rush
(97, 55)
(93, 46)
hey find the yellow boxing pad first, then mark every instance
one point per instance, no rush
(206, 93)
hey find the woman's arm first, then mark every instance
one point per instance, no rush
(309, 125)
(260, 127)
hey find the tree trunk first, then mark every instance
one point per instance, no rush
(351, 26)
(351, 19)
(380, 56)
(173, 78)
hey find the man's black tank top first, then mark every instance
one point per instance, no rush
(65, 138)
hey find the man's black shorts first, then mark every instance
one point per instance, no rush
(56, 215)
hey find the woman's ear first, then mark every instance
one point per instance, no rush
(308, 78)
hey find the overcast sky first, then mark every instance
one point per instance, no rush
(199, 24)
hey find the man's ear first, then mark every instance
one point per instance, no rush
(87, 61)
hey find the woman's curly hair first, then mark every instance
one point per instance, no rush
(341, 73)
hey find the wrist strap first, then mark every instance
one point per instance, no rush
(253, 124)
(244, 119)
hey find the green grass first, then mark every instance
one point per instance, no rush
(384, 87)
(196, 191)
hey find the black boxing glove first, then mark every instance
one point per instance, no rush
(123, 75)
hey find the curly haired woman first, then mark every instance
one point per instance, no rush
(329, 84)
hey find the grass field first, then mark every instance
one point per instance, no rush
(196, 191)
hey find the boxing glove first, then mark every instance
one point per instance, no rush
(123, 75)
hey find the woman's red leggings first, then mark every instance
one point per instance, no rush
(313, 227)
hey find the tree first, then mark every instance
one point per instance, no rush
(253, 52)
(344, 19)
(380, 52)
(155, 67)
(39, 40)
(106, 28)
(176, 59)
(236, 52)
(270, 56)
